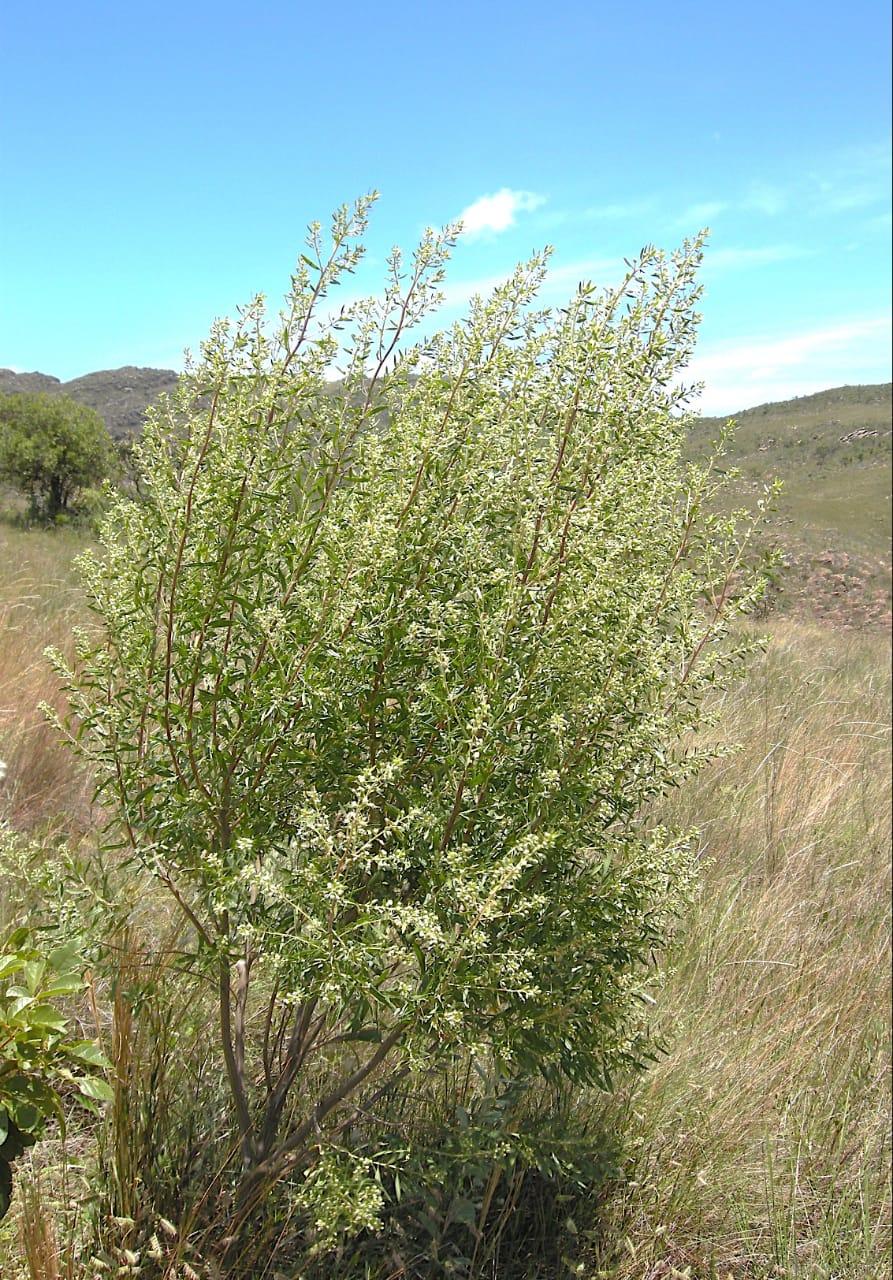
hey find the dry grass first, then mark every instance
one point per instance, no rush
(763, 1136)
(760, 1141)
(38, 1236)
(39, 603)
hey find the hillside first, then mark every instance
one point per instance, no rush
(832, 450)
(833, 524)
(119, 396)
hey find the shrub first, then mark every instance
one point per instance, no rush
(384, 674)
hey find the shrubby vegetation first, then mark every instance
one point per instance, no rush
(388, 688)
(54, 450)
(758, 1143)
(380, 689)
(38, 1056)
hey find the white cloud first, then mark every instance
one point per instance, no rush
(698, 215)
(731, 258)
(763, 197)
(497, 212)
(737, 376)
(774, 353)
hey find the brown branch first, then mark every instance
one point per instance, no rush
(234, 1069)
(277, 1164)
(299, 1045)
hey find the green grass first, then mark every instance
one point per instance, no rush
(833, 453)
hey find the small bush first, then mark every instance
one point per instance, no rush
(383, 676)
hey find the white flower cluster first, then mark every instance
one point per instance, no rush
(341, 1194)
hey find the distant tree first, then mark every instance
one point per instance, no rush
(52, 449)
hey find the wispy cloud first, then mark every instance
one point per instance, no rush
(767, 198)
(845, 199)
(564, 278)
(732, 258)
(458, 293)
(739, 375)
(497, 212)
(767, 356)
(618, 211)
(850, 179)
(700, 214)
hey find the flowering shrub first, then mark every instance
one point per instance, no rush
(384, 675)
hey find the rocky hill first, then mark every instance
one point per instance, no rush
(119, 396)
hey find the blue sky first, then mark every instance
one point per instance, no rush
(159, 163)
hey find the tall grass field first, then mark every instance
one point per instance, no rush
(757, 1144)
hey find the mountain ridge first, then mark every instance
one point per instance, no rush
(832, 449)
(121, 396)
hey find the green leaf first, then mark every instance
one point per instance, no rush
(366, 1035)
(65, 960)
(87, 1051)
(46, 1015)
(33, 973)
(464, 1211)
(67, 985)
(27, 1116)
(92, 1087)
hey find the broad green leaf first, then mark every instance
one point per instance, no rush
(33, 974)
(46, 1015)
(87, 1051)
(93, 1087)
(27, 1116)
(63, 986)
(65, 960)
